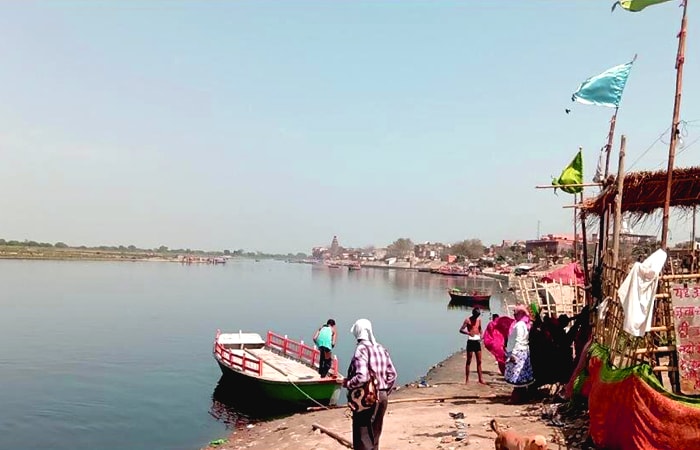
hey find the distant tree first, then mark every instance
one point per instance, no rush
(3, 242)
(162, 249)
(131, 248)
(14, 243)
(60, 245)
(401, 248)
(301, 255)
(469, 248)
(227, 252)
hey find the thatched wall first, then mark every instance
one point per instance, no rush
(645, 192)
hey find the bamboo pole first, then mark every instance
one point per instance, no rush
(603, 229)
(585, 247)
(551, 186)
(333, 434)
(680, 60)
(618, 201)
(575, 234)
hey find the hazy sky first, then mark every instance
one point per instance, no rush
(273, 125)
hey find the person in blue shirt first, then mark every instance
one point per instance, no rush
(325, 338)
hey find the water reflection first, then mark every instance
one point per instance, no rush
(457, 305)
(236, 409)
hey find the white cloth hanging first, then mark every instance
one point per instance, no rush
(637, 292)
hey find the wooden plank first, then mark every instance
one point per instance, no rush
(666, 348)
(332, 434)
(285, 368)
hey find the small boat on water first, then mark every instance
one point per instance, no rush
(354, 266)
(471, 298)
(278, 369)
(333, 266)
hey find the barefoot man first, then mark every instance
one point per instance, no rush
(472, 328)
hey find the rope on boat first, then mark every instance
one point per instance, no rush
(307, 395)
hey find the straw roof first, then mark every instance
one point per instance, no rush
(645, 192)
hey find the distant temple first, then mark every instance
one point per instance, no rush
(335, 248)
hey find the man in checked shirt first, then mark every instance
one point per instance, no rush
(369, 357)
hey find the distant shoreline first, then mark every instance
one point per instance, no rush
(74, 254)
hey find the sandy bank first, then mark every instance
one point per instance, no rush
(410, 423)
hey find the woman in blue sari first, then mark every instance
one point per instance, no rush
(518, 364)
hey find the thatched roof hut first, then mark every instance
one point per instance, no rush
(645, 192)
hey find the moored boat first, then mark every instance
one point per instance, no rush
(472, 298)
(277, 369)
(354, 266)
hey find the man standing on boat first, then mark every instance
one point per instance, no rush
(472, 328)
(324, 338)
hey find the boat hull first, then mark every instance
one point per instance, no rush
(283, 395)
(471, 299)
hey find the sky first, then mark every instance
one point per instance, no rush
(274, 125)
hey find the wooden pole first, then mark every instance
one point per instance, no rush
(332, 434)
(618, 201)
(680, 60)
(603, 229)
(694, 254)
(552, 186)
(575, 232)
(585, 245)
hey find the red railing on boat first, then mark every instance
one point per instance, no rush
(282, 344)
(240, 362)
(297, 350)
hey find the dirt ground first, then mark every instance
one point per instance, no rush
(412, 423)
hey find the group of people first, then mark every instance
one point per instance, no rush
(526, 351)
(371, 362)
(508, 339)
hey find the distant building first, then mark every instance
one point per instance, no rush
(429, 250)
(552, 244)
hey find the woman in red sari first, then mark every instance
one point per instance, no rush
(495, 337)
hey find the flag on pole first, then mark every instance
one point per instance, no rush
(636, 5)
(604, 89)
(600, 168)
(572, 174)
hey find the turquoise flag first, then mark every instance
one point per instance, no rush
(604, 89)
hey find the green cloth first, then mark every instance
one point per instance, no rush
(572, 174)
(610, 375)
(636, 5)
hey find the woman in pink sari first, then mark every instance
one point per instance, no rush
(495, 337)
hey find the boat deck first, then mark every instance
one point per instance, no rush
(278, 368)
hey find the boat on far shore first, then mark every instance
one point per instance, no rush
(474, 297)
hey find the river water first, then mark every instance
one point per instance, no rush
(101, 355)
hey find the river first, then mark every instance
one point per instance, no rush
(118, 354)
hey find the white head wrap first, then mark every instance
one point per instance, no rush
(362, 330)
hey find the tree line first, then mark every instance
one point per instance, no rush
(162, 250)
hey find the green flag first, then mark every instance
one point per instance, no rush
(572, 174)
(636, 5)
